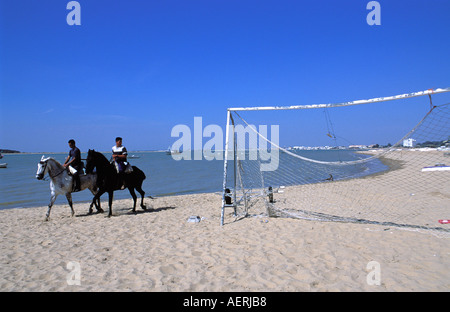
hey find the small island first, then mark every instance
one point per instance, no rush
(8, 151)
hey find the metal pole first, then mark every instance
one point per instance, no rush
(225, 166)
(235, 167)
(235, 176)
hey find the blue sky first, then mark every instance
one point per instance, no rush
(138, 68)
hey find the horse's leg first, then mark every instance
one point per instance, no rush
(69, 199)
(100, 210)
(96, 203)
(111, 195)
(133, 194)
(139, 189)
(52, 201)
(96, 197)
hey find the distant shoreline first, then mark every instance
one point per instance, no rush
(392, 164)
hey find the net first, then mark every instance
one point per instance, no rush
(405, 184)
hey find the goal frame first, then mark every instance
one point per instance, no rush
(230, 127)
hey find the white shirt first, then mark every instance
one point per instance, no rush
(121, 150)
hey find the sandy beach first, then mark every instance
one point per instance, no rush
(158, 250)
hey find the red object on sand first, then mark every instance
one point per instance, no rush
(444, 221)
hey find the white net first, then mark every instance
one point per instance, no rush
(405, 184)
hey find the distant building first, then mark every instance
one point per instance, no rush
(409, 142)
(357, 146)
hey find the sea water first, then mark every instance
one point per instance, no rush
(165, 176)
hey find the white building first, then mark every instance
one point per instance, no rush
(409, 142)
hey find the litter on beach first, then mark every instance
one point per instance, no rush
(194, 219)
(437, 167)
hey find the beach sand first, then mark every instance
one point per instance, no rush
(158, 250)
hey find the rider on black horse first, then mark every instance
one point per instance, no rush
(120, 161)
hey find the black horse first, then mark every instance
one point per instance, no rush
(108, 179)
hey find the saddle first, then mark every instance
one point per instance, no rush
(123, 167)
(72, 170)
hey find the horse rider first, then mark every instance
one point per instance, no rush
(120, 159)
(74, 160)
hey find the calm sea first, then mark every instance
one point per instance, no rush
(165, 176)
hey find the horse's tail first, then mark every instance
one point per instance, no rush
(139, 173)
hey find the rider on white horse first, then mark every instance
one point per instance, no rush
(74, 160)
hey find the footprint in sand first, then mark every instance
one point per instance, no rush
(167, 269)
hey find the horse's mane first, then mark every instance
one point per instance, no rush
(100, 157)
(50, 158)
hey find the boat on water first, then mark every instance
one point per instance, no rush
(134, 156)
(4, 165)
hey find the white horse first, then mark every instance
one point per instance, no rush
(61, 182)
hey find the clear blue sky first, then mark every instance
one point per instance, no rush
(137, 68)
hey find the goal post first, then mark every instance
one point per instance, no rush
(265, 174)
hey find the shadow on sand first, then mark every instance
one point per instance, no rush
(128, 211)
